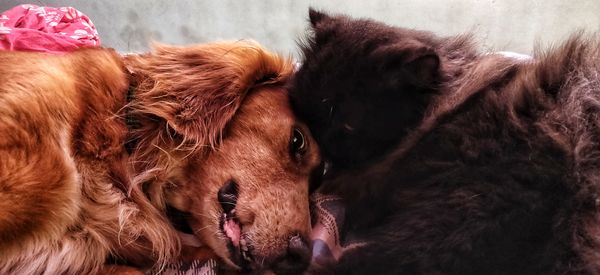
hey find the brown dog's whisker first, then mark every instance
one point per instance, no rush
(130, 151)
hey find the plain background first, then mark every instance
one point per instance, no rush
(511, 25)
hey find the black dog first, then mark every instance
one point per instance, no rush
(452, 161)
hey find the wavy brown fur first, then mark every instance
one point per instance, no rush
(496, 173)
(71, 197)
(224, 72)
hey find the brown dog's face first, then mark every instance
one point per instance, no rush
(249, 197)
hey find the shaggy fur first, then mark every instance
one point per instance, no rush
(452, 161)
(73, 199)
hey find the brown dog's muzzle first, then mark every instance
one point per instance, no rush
(296, 258)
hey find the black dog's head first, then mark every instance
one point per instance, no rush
(363, 85)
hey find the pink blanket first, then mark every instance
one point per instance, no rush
(46, 29)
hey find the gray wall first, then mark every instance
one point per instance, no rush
(514, 25)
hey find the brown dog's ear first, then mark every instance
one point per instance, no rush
(416, 63)
(197, 90)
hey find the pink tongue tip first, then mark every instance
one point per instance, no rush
(232, 230)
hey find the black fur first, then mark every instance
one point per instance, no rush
(451, 161)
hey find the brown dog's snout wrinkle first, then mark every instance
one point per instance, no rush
(297, 258)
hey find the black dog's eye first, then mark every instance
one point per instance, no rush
(297, 143)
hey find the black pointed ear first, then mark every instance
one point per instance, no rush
(316, 17)
(424, 69)
(412, 61)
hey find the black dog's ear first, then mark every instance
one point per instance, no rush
(412, 61)
(424, 69)
(316, 16)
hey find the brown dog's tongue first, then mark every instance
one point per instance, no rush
(328, 244)
(232, 230)
(329, 212)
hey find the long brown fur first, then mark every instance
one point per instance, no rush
(72, 197)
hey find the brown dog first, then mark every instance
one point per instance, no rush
(95, 147)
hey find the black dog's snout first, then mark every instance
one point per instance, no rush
(297, 259)
(227, 196)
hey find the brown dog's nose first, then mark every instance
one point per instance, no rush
(297, 258)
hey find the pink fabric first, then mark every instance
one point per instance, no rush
(46, 29)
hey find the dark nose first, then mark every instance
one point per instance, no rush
(297, 258)
(227, 196)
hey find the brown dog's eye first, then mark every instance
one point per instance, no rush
(297, 143)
